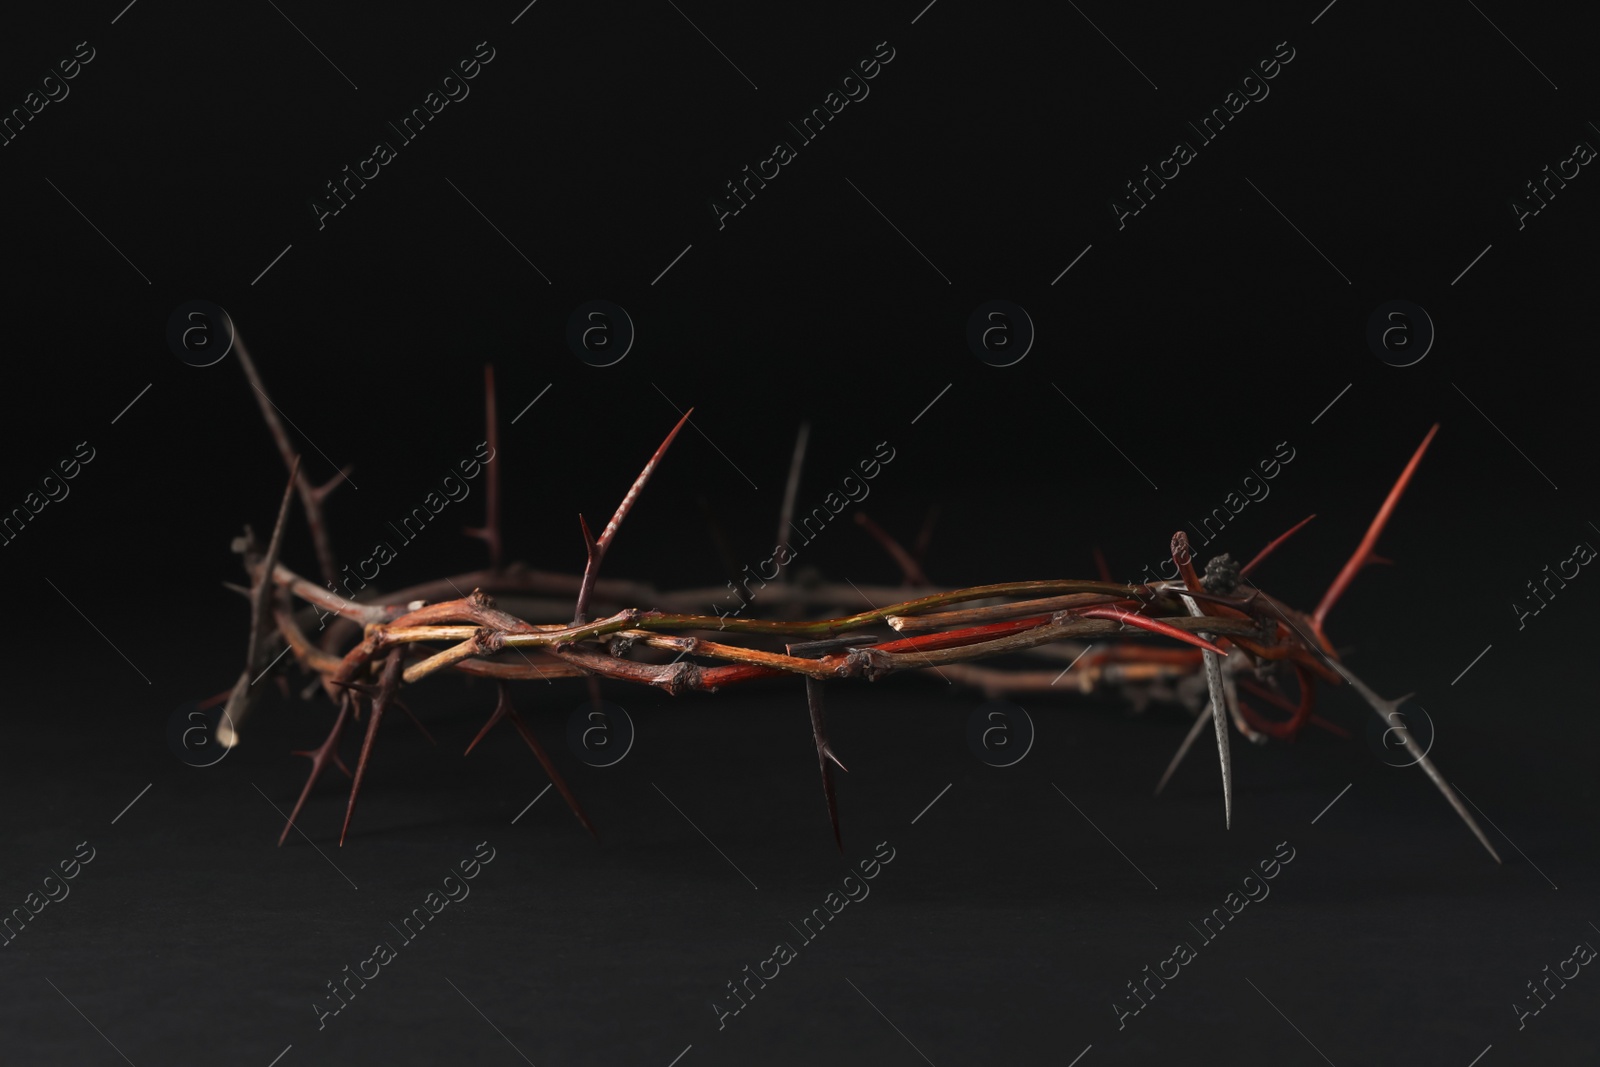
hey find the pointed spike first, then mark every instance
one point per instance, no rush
(544, 761)
(903, 559)
(500, 708)
(319, 759)
(416, 722)
(1364, 550)
(589, 545)
(320, 493)
(1155, 626)
(1100, 565)
(1333, 728)
(819, 734)
(1384, 709)
(597, 549)
(1223, 754)
(1219, 710)
(1272, 546)
(1200, 721)
(387, 685)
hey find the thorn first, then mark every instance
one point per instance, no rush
(1100, 565)
(1385, 710)
(544, 759)
(1332, 728)
(1273, 545)
(1183, 749)
(320, 493)
(908, 566)
(498, 714)
(597, 549)
(819, 734)
(1155, 626)
(1218, 710)
(588, 538)
(387, 685)
(416, 721)
(1364, 550)
(319, 758)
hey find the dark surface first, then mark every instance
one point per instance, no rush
(1196, 338)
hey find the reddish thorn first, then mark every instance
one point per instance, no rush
(1333, 728)
(1364, 550)
(903, 559)
(549, 768)
(1100, 565)
(1155, 626)
(1273, 545)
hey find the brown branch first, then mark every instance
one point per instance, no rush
(311, 498)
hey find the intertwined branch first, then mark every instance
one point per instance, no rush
(1228, 633)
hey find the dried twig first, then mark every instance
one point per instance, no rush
(311, 497)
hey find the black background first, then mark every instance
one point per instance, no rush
(1197, 337)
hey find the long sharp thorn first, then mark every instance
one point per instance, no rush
(1364, 550)
(597, 550)
(386, 687)
(1387, 710)
(903, 559)
(544, 761)
(416, 722)
(319, 759)
(500, 708)
(1100, 566)
(1219, 719)
(1273, 545)
(1200, 721)
(819, 734)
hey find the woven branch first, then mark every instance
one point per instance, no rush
(1219, 631)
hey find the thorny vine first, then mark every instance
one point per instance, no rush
(1232, 636)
